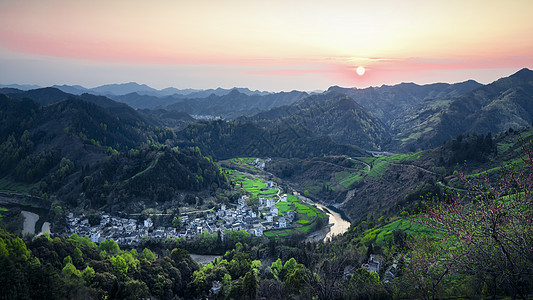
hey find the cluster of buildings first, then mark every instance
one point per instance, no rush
(258, 163)
(124, 231)
(374, 264)
(206, 117)
(240, 218)
(129, 231)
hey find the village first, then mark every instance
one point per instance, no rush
(129, 231)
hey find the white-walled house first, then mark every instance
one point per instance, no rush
(258, 229)
(148, 223)
(270, 203)
(274, 211)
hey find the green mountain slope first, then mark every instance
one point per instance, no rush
(368, 187)
(223, 140)
(73, 146)
(503, 104)
(330, 114)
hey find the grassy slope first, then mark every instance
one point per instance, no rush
(254, 186)
(381, 235)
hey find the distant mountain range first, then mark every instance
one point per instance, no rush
(410, 116)
(24, 87)
(388, 102)
(401, 117)
(141, 89)
(235, 104)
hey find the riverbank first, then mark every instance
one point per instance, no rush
(30, 219)
(337, 223)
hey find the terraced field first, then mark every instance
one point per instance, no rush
(383, 234)
(254, 186)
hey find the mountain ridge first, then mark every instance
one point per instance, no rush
(503, 104)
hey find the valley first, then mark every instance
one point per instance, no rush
(344, 190)
(254, 150)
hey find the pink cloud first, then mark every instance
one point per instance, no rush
(84, 49)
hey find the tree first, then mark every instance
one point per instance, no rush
(110, 246)
(199, 281)
(489, 230)
(226, 284)
(132, 263)
(255, 266)
(249, 285)
(276, 268)
(235, 291)
(429, 267)
(176, 222)
(3, 248)
(77, 258)
(119, 265)
(296, 278)
(17, 249)
(148, 254)
(367, 285)
(134, 289)
(328, 274)
(70, 271)
(88, 274)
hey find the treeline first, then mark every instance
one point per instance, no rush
(75, 268)
(204, 243)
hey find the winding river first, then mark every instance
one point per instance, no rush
(337, 224)
(30, 219)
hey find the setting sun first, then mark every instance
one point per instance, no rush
(360, 70)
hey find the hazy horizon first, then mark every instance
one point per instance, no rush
(245, 87)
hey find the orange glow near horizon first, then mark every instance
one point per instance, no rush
(298, 41)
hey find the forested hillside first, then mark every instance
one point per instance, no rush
(235, 104)
(73, 146)
(223, 140)
(503, 104)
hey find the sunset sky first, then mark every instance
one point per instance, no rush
(266, 45)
